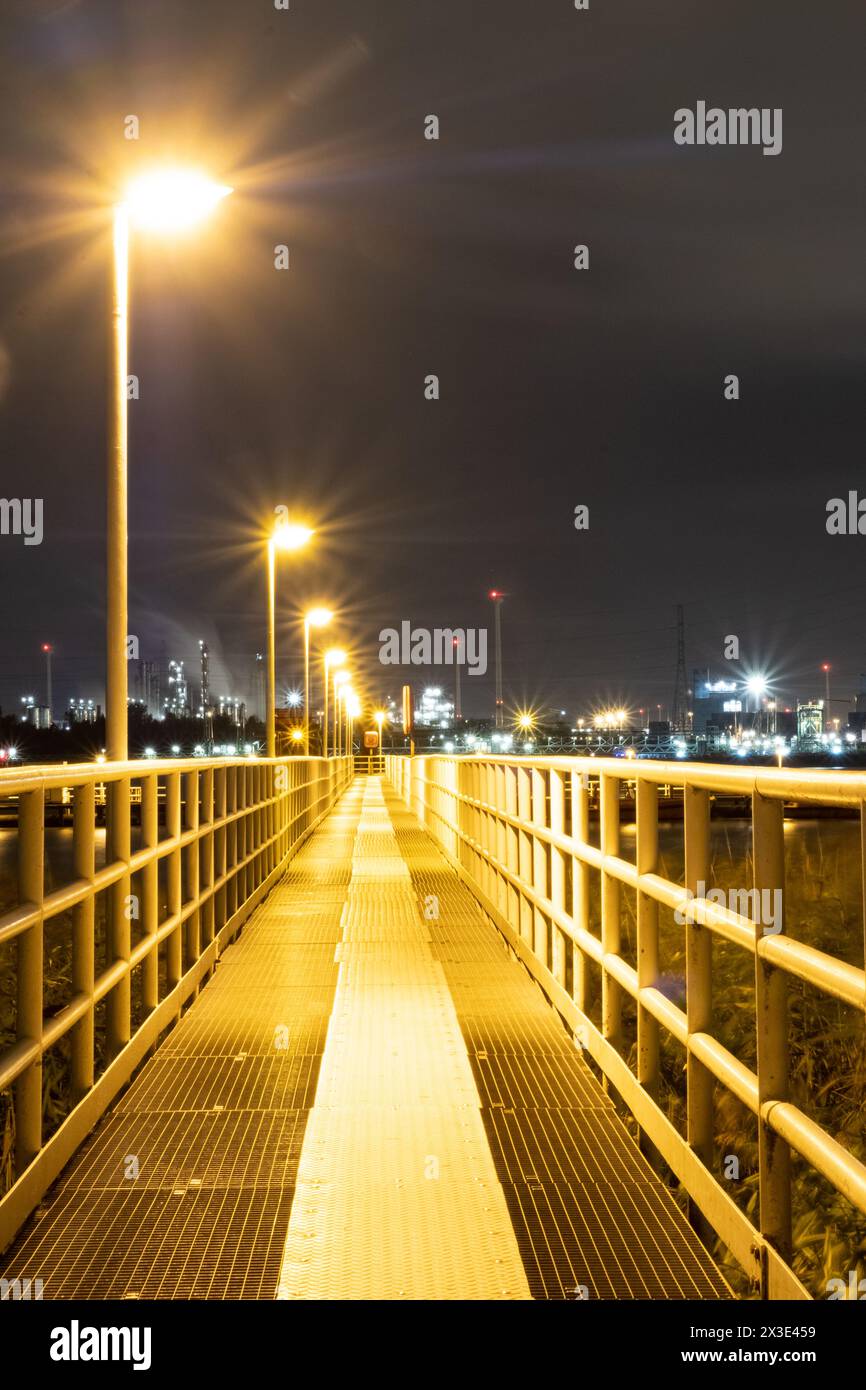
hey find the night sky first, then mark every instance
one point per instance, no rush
(454, 257)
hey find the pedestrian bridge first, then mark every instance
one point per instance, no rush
(331, 1036)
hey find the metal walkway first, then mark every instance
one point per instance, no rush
(370, 1100)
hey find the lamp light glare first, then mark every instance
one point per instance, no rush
(172, 199)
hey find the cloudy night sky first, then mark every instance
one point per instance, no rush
(454, 257)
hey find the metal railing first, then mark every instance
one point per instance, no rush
(167, 906)
(518, 833)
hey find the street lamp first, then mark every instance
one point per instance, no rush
(334, 657)
(164, 201)
(290, 537)
(317, 617)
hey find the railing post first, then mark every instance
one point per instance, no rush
(699, 979)
(206, 857)
(150, 890)
(173, 891)
(647, 805)
(219, 861)
(83, 936)
(771, 1009)
(501, 838)
(579, 883)
(243, 801)
(31, 880)
(512, 853)
(232, 842)
(118, 930)
(557, 875)
(540, 935)
(524, 849)
(611, 990)
(190, 873)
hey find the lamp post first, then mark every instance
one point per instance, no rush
(47, 650)
(334, 658)
(353, 709)
(284, 537)
(317, 617)
(340, 678)
(826, 668)
(380, 716)
(165, 201)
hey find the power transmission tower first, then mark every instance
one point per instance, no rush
(680, 708)
(496, 597)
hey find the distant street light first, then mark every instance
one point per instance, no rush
(288, 537)
(164, 201)
(756, 686)
(317, 617)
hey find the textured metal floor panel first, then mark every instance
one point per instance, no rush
(235, 1148)
(538, 1080)
(583, 1147)
(622, 1241)
(278, 1082)
(256, 1031)
(149, 1243)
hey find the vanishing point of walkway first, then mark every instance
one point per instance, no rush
(371, 1099)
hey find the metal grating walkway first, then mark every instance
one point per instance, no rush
(370, 1100)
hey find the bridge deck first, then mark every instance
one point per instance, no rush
(367, 1101)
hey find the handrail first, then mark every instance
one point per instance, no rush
(231, 827)
(517, 831)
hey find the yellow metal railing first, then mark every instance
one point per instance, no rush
(229, 828)
(518, 832)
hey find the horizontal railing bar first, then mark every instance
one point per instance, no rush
(726, 1068)
(56, 776)
(813, 786)
(845, 982)
(54, 1028)
(837, 1164)
(16, 1059)
(18, 919)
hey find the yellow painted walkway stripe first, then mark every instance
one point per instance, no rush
(397, 1194)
